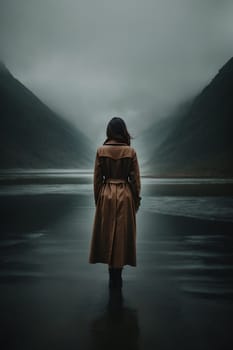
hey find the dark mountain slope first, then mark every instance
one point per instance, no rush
(32, 135)
(199, 141)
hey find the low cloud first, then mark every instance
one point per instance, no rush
(91, 60)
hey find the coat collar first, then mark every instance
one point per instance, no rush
(114, 142)
(116, 151)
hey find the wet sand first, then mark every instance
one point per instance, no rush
(180, 295)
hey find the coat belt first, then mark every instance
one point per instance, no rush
(115, 181)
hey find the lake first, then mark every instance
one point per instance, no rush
(180, 294)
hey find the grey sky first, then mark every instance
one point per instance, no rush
(91, 60)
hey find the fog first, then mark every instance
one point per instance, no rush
(91, 60)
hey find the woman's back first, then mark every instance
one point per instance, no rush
(117, 197)
(116, 159)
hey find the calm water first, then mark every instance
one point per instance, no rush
(180, 295)
(209, 207)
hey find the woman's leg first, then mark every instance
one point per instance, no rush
(119, 277)
(115, 278)
(112, 277)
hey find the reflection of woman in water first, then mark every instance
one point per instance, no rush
(117, 328)
(117, 189)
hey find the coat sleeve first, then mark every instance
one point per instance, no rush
(98, 178)
(134, 176)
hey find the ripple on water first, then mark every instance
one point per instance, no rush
(209, 207)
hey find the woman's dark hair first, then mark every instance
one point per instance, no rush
(117, 130)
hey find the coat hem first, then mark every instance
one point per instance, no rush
(107, 263)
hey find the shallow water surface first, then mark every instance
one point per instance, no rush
(52, 298)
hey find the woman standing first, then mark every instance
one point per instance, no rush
(117, 189)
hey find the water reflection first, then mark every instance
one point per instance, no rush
(46, 282)
(208, 261)
(117, 328)
(20, 214)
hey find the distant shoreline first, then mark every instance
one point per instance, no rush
(89, 171)
(149, 186)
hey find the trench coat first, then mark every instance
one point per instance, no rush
(113, 238)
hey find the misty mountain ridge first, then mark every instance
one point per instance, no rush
(32, 135)
(197, 141)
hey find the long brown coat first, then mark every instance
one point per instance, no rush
(114, 230)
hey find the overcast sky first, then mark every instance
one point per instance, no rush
(94, 59)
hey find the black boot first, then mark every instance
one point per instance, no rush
(119, 277)
(112, 277)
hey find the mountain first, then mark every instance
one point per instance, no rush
(32, 135)
(197, 141)
(152, 138)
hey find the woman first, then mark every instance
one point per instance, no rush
(117, 189)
